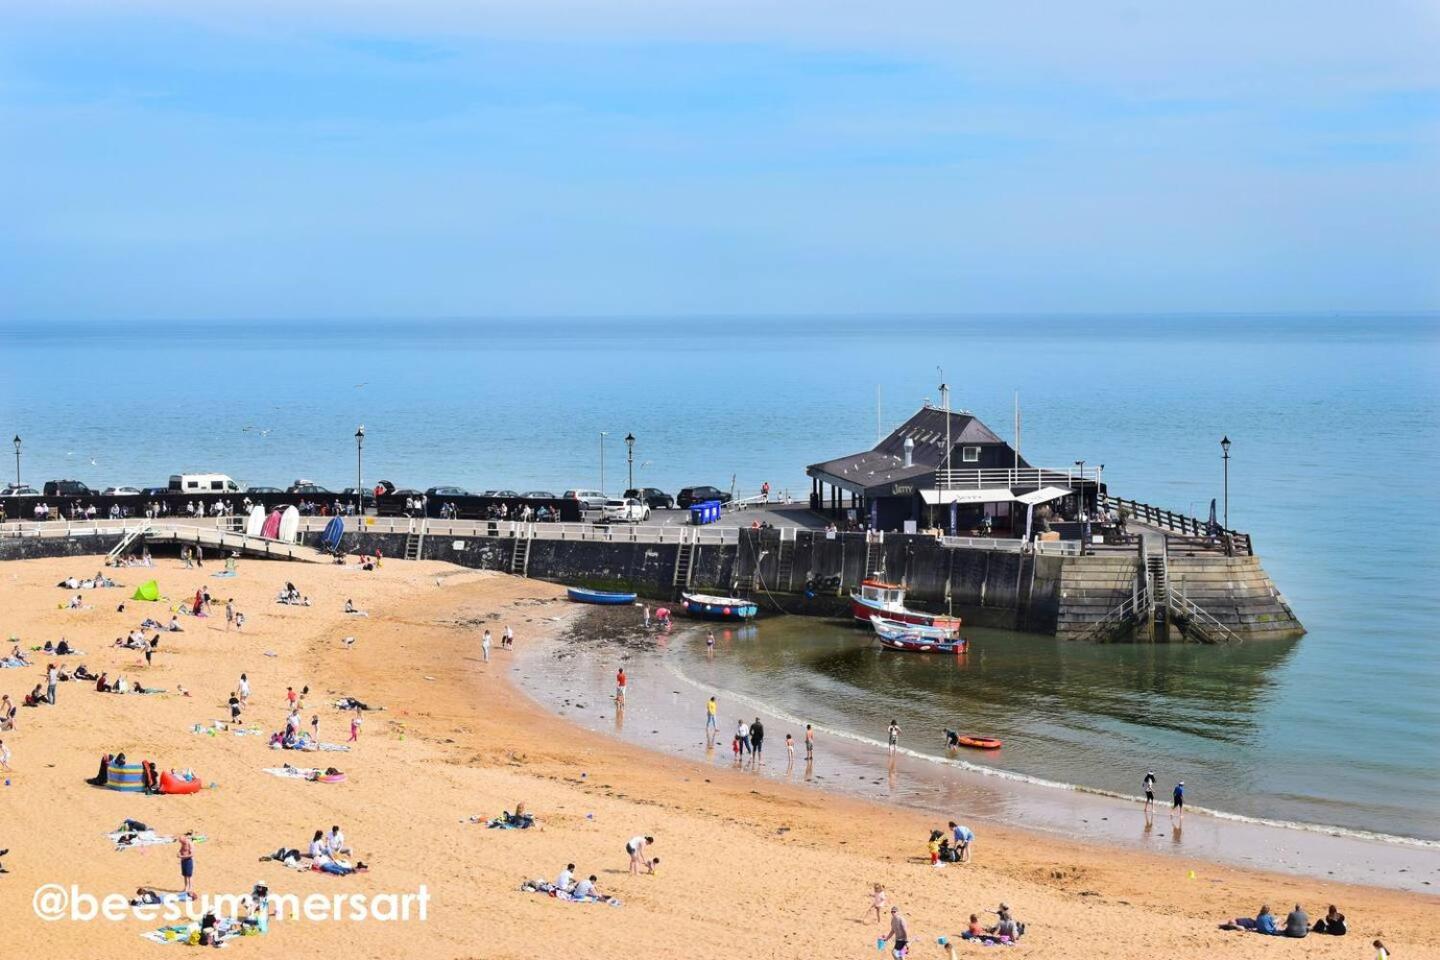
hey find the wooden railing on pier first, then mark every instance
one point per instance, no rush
(1197, 532)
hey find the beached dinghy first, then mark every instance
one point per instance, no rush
(717, 608)
(907, 640)
(886, 627)
(583, 595)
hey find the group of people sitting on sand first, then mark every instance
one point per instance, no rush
(95, 582)
(567, 887)
(327, 854)
(132, 560)
(292, 596)
(1296, 925)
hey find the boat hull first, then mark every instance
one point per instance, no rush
(717, 608)
(921, 645)
(866, 610)
(581, 595)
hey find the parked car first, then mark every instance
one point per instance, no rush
(19, 490)
(587, 498)
(653, 498)
(67, 488)
(349, 493)
(447, 492)
(500, 493)
(406, 492)
(121, 492)
(689, 496)
(309, 488)
(158, 491)
(539, 495)
(628, 510)
(270, 490)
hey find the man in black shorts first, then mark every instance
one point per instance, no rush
(899, 934)
(1178, 803)
(1150, 791)
(757, 737)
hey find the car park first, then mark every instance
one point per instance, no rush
(121, 492)
(689, 496)
(652, 497)
(627, 510)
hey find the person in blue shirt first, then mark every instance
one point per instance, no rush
(1265, 922)
(1177, 804)
(964, 836)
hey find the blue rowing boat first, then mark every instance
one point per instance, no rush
(582, 595)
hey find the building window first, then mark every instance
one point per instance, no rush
(970, 454)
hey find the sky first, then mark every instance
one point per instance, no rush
(511, 158)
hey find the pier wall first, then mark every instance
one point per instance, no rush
(1236, 591)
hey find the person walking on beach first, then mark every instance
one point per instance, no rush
(710, 708)
(244, 688)
(507, 639)
(877, 904)
(646, 610)
(742, 736)
(1149, 784)
(894, 737)
(1177, 802)
(809, 743)
(4, 757)
(355, 722)
(485, 646)
(637, 847)
(229, 613)
(789, 750)
(620, 686)
(710, 644)
(899, 934)
(187, 862)
(52, 677)
(757, 738)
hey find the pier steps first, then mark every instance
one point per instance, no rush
(1090, 589)
(1236, 591)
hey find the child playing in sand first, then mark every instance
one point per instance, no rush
(789, 748)
(877, 903)
(4, 756)
(355, 727)
(315, 727)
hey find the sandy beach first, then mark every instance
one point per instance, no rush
(750, 867)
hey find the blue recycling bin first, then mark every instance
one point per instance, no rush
(707, 512)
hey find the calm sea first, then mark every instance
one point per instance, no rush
(1336, 461)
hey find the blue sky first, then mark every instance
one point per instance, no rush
(337, 159)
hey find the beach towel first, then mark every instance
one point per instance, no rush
(223, 573)
(143, 838)
(293, 773)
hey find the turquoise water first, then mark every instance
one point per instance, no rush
(1336, 430)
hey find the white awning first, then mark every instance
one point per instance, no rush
(1043, 495)
(988, 495)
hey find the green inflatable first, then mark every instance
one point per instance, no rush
(149, 590)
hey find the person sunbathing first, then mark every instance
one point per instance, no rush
(15, 654)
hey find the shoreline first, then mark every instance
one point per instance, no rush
(1002, 798)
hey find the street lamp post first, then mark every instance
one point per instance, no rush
(1225, 457)
(17, 459)
(603, 435)
(359, 485)
(1081, 485)
(630, 459)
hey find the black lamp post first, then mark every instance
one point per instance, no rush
(1081, 485)
(630, 458)
(359, 486)
(1225, 456)
(17, 459)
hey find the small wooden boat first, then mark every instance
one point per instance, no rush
(583, 595)
(917, 644)
(718, 608)
(886, 627)
(876, 598)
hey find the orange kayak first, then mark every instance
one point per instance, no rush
(980, 743)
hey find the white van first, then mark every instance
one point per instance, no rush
(202, 483)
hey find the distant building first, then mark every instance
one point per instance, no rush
(975, 483)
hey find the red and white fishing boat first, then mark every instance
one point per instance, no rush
(876, 598)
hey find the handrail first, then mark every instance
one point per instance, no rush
(959, 477)
(1207, 622)
(1130, 607)
(1180, 523)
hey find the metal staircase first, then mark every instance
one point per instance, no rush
(414, 542)
(1193, 620)
(1126, 616)
(520, 553)
(784, 561)
(684, 562)
(874, 554)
